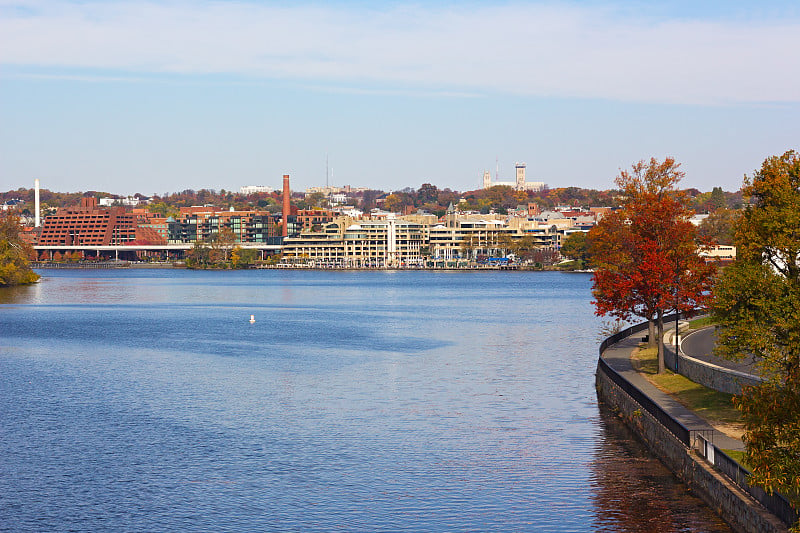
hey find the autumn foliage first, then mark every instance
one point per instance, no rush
(645, 254)
(757, 305)
(14, 253)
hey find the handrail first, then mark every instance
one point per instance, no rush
(673, 426)
(776, 503)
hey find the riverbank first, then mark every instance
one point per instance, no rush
(688, 445)
(105, 265)
(179, 264)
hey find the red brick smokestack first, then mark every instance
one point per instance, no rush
(286, 204)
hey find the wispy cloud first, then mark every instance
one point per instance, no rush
(530, 49)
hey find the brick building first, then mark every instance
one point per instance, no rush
(88, 225)
(202, 223)
(314, 219)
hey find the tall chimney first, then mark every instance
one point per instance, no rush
(286, 204)
(36, 201)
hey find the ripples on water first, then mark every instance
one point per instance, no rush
(408, 401)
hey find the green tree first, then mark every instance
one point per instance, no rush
(15, 268)
(198, 256)
(315, 199)
(243, 257)
(717, 199)
(576, 247)
(718, 227)
(221, 244)
(469, 246)
(503, 244)
(427, 194)
(524, 248)
(163, 209)
(757, 305)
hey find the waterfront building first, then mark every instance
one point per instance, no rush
(202, 223)
(472, 235)
(148, 221)
(314, 219)
(88, 225)
(414, 239)
(324, 247)
(358, 243)
(321, 236)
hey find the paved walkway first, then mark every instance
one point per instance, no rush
(618, 357)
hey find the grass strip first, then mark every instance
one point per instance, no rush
(737, 456)
(701, 322)
(716, 407)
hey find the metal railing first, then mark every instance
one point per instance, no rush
(673, 426)
(80, 264)
(665, 419)
(627, 332)
(775, 503)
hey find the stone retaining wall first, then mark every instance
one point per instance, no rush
(708, 374)
(736, 507)
(713, 376)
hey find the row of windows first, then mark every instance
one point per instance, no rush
(320, 254)
(69, 230)
(56, 218)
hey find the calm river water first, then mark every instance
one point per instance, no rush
(145, 400)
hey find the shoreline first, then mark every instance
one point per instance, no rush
(148, 266)
(170, 266)
(684, 441)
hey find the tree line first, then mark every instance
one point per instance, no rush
(428, 197)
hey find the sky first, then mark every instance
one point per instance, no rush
(159, 96)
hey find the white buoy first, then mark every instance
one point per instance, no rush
(252, 318)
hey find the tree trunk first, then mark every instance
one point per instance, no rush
(651, 333)
(660, 324)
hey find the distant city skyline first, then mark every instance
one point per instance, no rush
(162, 96)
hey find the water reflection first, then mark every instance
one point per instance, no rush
(21, 295)
(635, 492)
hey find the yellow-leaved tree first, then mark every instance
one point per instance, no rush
(15, 269)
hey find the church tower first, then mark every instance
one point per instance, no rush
(487, 179)
(520, 176)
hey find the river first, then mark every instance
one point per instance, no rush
(146, 400)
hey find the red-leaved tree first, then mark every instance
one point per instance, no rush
(646, 253)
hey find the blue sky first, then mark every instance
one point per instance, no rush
(161, 96)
